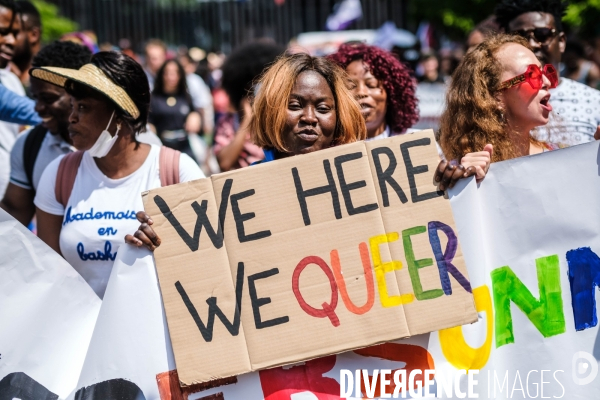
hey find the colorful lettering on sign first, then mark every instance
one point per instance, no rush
(382, 268)
(453, 344)
(444, 260)
(337, 282)
(328, 310)
(414, 265)
(339, 278)
(546, 313)
(584, 277)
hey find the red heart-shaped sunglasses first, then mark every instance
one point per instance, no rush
(533, 76)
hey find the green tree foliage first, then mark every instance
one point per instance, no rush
(456, 17)
(584, 16)
(53, 25)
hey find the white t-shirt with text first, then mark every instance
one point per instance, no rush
(101, 211)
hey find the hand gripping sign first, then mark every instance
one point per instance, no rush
(308, 256)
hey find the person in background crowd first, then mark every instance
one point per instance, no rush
(39, 146)
(17, 109)
(577, 67)
(577, 105)
(449, 60)
(429, 68)
(430, 93)
(171, 109)
(200, 94)
(383, 87)
(483, 30)
(87, 200)
(498, 94)
(29, 40)
(155, 54)
(232, 146)
(84, 38)
(10, 26)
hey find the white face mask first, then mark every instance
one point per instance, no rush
(105, 141)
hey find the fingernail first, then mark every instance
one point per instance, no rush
(453, 163)
(150, 221)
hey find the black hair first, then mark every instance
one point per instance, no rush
(508, 10)
(244, 65)
(159, 81)
(10, 4)
(125, 72)
(25, 7)
(62, 54)
(575, 47)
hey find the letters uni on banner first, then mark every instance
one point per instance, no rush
(339, 249)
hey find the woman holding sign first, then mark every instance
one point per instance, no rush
(498, 94)
(303, 104)
(87, 200)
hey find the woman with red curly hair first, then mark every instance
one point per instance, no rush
(384, 89)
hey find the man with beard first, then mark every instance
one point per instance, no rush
(35, 149)
(9, 29)
(576, 106)
(28, 40)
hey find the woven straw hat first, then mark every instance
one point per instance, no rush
(91, 76)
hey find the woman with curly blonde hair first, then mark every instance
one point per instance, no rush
(498, 94)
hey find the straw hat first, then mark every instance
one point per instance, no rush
(91, 76)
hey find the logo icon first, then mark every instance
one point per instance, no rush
(584, 368)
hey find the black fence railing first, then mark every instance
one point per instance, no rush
(216, 25)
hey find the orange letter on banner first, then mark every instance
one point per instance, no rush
(415, 357)
(382, 268)
(339, 278)
(455, 348)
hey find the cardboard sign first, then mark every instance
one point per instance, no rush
(308, 256)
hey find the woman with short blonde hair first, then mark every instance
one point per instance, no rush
(272, 98)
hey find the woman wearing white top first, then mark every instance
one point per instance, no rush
(110, 99)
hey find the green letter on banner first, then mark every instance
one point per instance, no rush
(415, 265)
(546, 314)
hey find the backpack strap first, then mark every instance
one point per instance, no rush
(65, 177)
(33, 144)
(168, 164)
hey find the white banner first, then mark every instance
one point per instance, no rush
(47, 315)
(530, 236)
(130, 347)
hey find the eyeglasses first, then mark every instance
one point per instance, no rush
(541, 35)
(533, 76)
